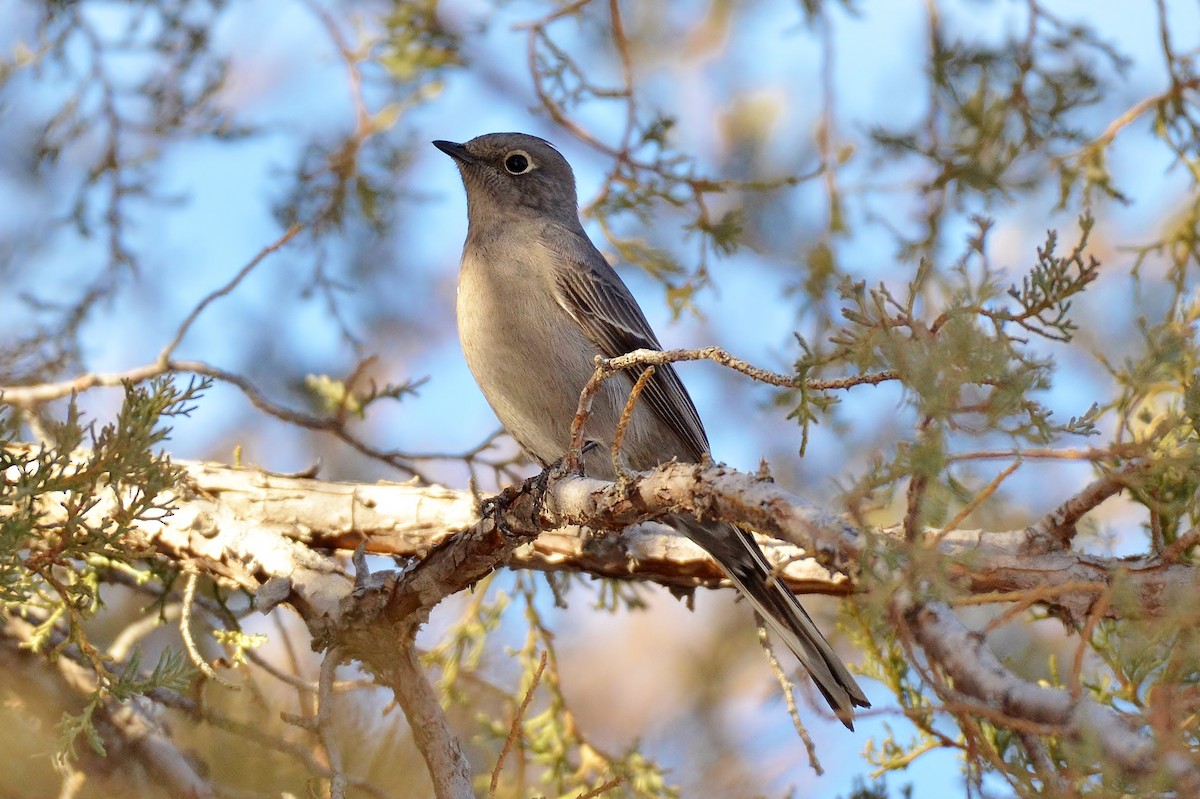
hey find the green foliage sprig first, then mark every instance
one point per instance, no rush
(69, 512)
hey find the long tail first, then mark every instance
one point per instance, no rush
(747, 567)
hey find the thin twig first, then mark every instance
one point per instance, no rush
(914, 498)
(1045, 453)
(354, 80)
(223, 291)
(396, 459)
(607, 367)
(574, 457)
(789, 698)
(1099, 608)
(118, 650)
(558, 13)
(254, 734)
(1039, 756)
(514, 730)
(185, 630)
(1030, 597)
(1174, 551)
(720, 356)
(45, 392)
(621, 42)
(599, 790)
(977, 500)
(1136, 110)
(626, 417)
(303, 686)
(1057, 528)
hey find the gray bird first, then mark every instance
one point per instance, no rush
(536, 303)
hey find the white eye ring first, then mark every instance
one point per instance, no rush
(518, 162)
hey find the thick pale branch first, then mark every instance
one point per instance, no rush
(250, 526)
(1071, 582)
(395, 665)
(266, 531)
(977, 673)
(709, 491)
(410, 521)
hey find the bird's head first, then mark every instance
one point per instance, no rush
(508, 174)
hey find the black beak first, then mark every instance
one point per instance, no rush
(455, 150)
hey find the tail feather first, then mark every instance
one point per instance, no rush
(747, 567)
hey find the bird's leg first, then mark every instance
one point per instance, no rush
(535, 486)
(492, 507)
(565, 465)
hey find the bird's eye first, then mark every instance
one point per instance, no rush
(518, 162)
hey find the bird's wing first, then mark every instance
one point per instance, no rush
(596, 298)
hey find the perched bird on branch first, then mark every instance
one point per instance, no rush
(537, 302)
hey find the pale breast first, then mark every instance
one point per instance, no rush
(528, 356)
